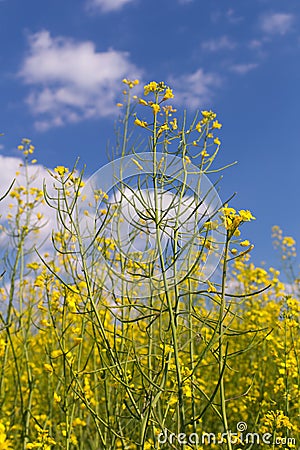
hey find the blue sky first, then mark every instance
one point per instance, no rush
(62, 63)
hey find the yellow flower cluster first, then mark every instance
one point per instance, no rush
(61, 170)
(130, 83)
(232, 219)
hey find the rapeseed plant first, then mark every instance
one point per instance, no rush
(83, 367)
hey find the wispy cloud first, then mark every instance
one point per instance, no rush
(71, 81)
(233, 17)
(196, 89)
(222, 43)
(242, 69)
(255, 44)
(107, 5)
(277, 23)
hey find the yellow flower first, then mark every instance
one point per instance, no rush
(140, 123)
(2, 347)
(246, 215)
(151, 87)
(168, 94)
(33, 266)
(61, 170)
(217, 141)
(130, 83)
(198, 127)
(173, 124)
(216, 124)
(156, 108)
(45, 323)
(143, 102)
(48, 368)
(288, 241)
(209, 115)
(163, 128)
(228, 211)
(56, 353)
(57, 398)
(79, 422)
(245, 243)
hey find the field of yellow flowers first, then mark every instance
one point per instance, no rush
(190, 365)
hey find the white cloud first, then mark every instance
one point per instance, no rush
(196, 89)
(255, 44)
(108, 5)
(71, 81)
(232, 17)
(277, 23)
(1, 146)
(242, 69)
(223, 43)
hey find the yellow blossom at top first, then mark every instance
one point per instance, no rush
(209, 115)
(232, 220)
(130, 83)
(61, 170)
(151, 87)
